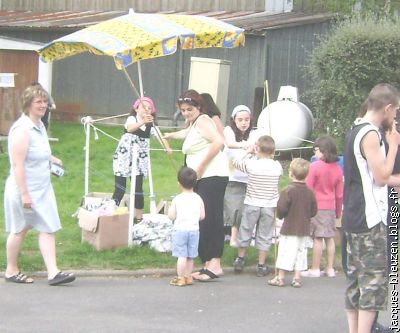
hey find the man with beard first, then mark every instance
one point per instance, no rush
(367, 172)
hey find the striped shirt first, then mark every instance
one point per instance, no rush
(264, 174)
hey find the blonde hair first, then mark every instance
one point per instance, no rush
(266, 144)
(29, 94)
(299, 168)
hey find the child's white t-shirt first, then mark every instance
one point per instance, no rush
(188, 209)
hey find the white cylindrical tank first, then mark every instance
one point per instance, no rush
(288, 122)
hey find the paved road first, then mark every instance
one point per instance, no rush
(115, 304)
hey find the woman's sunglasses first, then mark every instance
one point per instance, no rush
(188, 100)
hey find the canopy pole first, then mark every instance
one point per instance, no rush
(138, 95)
(153, 209)
(140, 78)
(131, 82)
(135, 148)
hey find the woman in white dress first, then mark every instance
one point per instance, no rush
(29, 200)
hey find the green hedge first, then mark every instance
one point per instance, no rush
(358, 54)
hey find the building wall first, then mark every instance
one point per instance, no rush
(138, 5)
(288, 52)
(24, 64)
(88, 84)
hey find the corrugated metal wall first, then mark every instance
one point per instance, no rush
(88, 84)
(288, 53)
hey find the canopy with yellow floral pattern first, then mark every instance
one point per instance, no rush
(136, 36)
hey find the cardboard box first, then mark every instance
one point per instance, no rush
(103, 232)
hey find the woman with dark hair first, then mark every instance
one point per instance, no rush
(325, 179)
(237, 140)
(211, 109)
(202, 147)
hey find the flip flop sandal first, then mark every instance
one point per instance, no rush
(276, 282)
(195, 275)
(211, 276)
(19, 278)
(61, 278)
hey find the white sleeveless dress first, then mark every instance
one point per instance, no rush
(44, 215)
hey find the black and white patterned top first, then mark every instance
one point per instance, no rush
(122, 159)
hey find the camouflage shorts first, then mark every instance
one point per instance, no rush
(367, 278)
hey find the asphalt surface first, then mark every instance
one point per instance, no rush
(145, 302)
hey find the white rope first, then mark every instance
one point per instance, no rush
(294, 148)
(111, 117)
(102, 132)
(116, 139)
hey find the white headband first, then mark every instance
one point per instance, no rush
(240, 108)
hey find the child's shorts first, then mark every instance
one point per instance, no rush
(263, 219)
(185, 243)
(233, 203)
(292, 253)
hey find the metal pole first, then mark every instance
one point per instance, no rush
(153, 208)
(87, 144)
(135, 148)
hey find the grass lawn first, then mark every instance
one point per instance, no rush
(71, 253)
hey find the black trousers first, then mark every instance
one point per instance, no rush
(212, 191)
(120, 189)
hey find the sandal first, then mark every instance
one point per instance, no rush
(178, 281)
(296, 283)
(207, 276)
(61, 278)
(19, 278)
(276, 282)
(195, 275)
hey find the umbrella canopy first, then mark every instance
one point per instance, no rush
(135, 37)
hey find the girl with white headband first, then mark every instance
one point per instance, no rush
(238, 137)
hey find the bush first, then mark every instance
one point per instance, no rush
(358, 54)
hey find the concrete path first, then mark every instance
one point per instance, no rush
(110, 302)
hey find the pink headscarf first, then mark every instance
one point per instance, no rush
(145, 99)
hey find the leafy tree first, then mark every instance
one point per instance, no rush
(379, 7)
(358, 54)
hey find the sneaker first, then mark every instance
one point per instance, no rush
(311, 273)
(379, 328)
(261, 270)
(329, 273)
(238, 265)
(178, 281)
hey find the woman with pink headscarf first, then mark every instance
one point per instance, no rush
(138, 128)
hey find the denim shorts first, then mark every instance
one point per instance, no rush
(185, 243)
